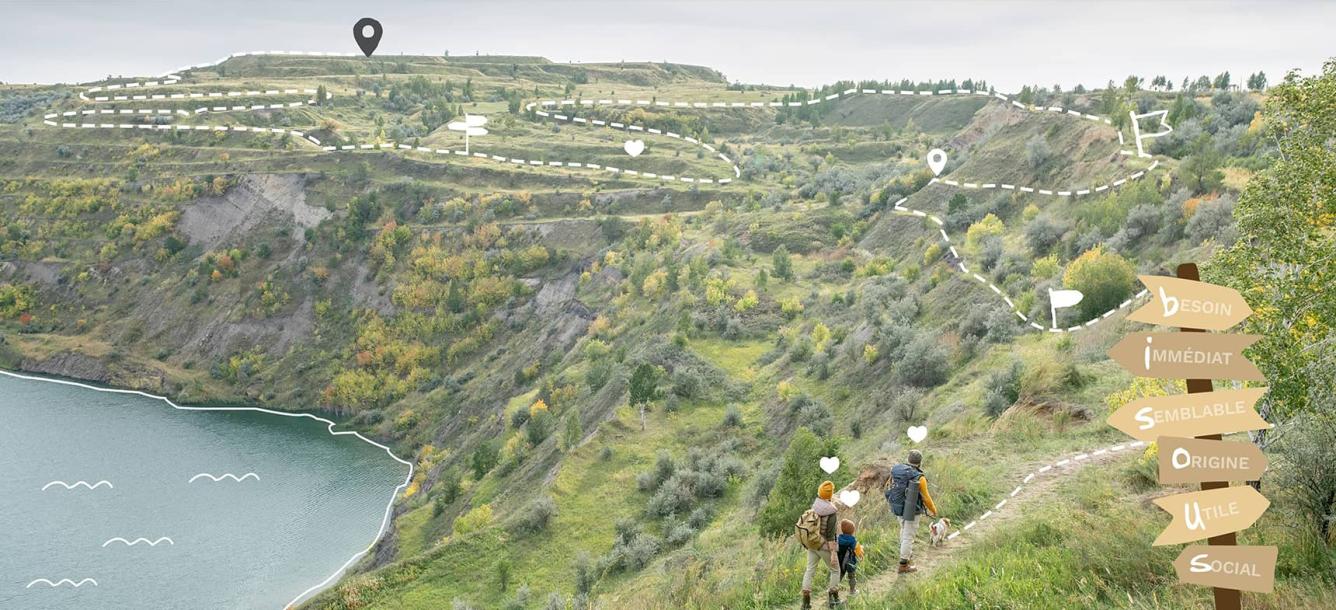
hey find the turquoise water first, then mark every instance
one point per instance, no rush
(314, 502)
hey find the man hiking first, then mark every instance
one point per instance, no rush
(815, 531)
(908, 497)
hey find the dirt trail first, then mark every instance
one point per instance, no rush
(1039, 486)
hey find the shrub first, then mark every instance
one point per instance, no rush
(503, 573)
(584, 573)
(675, 496)
(925, 362)
(519, 418)
(1042, 234)
(1004, 389)
(632, 549)
(679, 534)
(732, 417)
(538, 427)
(1037, 152)
(989, 226)
(537, 516)
(1214, 219)
(1105, 279)
(816, 417)
(474, 520)
(1309, 470)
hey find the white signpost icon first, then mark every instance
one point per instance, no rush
(472, 125)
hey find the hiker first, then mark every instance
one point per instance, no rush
(849, 552)
(908, 497)
(815, 530)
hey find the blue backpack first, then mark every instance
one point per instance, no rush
(904, 486)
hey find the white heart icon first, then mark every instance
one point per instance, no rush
(634, 147)
(917, 433)
(850, 497)
(830, 464)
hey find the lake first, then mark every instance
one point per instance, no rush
(150, 527)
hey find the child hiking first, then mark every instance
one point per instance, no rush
(815, 531)
(849, 552)
(908, 497)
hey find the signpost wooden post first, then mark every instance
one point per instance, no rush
(1225, 599)
(1218, 511)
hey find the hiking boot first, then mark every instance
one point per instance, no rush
(807, 600)
(905, 568)
(853, 584)
(832, 598)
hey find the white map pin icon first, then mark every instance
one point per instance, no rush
(936, 161)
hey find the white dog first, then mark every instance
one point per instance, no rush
(938, 530)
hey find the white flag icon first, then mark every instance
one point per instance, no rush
(1059, 299)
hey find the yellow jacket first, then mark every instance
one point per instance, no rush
(923, 493)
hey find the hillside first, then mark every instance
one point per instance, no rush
(601, 363)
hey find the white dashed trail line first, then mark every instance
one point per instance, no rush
(133, 92)
(557, 110)
(1075, 460)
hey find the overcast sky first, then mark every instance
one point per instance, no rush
(758, 41)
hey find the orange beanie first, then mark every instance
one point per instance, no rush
(826, 491)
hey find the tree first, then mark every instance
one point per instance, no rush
(1257, 82)
(1221, 81)
(15, 299)
(644, 388)
(795, 486)
(1105, 278)
(484, 459)
(571, 437)
(1282, 259)
(782, 262)
(1202, 167)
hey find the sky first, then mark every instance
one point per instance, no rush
(778, 42)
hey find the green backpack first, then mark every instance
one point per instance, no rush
(808, 530)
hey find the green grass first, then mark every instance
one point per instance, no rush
(737, 358)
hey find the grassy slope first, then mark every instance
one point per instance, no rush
(973, 458)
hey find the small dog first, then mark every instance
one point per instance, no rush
(938, 530)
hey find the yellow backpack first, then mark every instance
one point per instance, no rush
(808, 530)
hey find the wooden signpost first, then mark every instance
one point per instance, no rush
(1218, 511)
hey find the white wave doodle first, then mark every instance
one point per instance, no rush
(139, 540)
(62, 582)
(79, 484)
(226, 475)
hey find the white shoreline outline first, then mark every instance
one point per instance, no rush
(389, 507)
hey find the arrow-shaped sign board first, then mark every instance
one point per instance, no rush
(1193, 460)
(1205, 514)
(1244, 568)
(1186, 356)
(1199, 414)
(1189, 304)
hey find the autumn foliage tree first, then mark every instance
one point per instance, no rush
(1105, 278)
